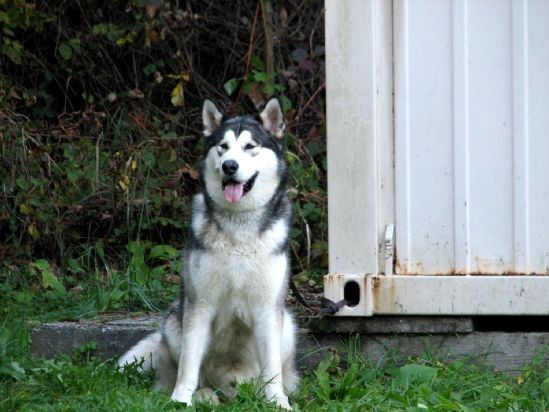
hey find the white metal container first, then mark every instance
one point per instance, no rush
(438, 122)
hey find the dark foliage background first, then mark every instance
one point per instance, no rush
(100, 128)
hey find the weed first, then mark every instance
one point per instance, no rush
(421, 384)
(93, 149)
(346, 381)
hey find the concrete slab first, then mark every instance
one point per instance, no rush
(391, 324)
(377, 338)
(506, 352)
(112, 337)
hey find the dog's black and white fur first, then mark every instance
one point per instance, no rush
(231, 324)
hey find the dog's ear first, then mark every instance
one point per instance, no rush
(272, 118)
(211, 117)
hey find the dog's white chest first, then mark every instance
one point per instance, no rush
(237, 263)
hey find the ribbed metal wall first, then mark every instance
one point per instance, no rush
(471, 136)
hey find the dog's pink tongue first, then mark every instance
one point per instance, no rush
(234, 192)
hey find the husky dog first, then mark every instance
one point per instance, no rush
(230, 324)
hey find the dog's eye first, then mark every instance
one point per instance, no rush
(224, 146)
(249, 146)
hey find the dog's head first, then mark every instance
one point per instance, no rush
(243, 162)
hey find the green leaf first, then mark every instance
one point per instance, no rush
(4, 18)
(75, 267)
(269, 88)
(75, 45)
(12, 49)
(101, 28)
(545, 387)
(415, 373)
(99, 249)
(21, 183)
(259, 76)
(350, 377)
(12, 369)
(163, 252)
(49, 280)
(33, 231)
(149, 68)
(286, 103)
(128, 38)
(148, 159)
(117, 295)
(257, 63)
(137, 265)
(65, 51)
(230, 86)
(158, 271)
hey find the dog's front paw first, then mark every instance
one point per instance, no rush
(206, 395)
(282, 402)
(182, 395)
(275, 393)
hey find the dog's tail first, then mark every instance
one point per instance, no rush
(147, 351)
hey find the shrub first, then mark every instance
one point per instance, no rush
(100, 119)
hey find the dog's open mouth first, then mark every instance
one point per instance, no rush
(234, 190)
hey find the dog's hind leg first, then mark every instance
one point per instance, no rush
(290, 377)
(169, 352)
(166, 369)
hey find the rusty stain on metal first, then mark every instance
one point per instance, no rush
(376, 292)
(482, 266)
(376, 289)
(332, 278)
(376, 283)
(396, 262)
(384, 291)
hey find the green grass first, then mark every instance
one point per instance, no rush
(342, 382)
(78, 383)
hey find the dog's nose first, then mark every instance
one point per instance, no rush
(229, 167)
